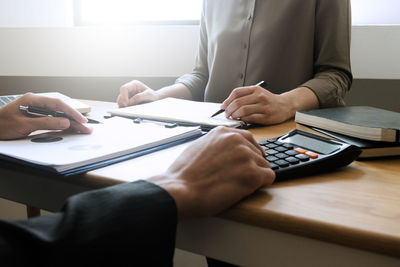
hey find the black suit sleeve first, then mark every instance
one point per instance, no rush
(129, 224)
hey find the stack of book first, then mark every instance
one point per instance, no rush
(376, 131)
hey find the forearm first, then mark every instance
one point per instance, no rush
(301, 98)
(177, 90)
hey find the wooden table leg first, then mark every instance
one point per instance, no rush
(32, 212)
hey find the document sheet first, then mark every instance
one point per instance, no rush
(115, 137)
(178, 110)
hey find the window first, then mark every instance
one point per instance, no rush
(375, 12)
(68, 13)
(128, 12)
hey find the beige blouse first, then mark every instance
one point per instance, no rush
(287, 43)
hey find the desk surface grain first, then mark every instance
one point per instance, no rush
(356, 206)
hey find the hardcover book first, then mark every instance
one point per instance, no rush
(362, 122)
(369, 149)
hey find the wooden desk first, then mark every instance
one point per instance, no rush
(350, 217)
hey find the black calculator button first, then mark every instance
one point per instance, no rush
(302, 157)
(274, 166)
(263, 142)
(292, 160)
(271, 145)
(291, 153)
(282, 163)
(288, 146)
(272, 140)
(279, 143)
(281, 149)
(281, 155)
(271, 152)
(271, 158)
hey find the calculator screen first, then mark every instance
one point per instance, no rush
(312, 144)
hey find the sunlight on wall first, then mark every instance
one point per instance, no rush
(117, 12)
(374, 12)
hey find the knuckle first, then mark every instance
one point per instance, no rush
(29, 94)
(237, 103)
(234, 138)
(235, 92)
(243, 152)
(238, 114)
(123, 87)
(250, 118)
(263, 97)
(247, 134)
(268, 110)
(58, 102)
(138, 98)
(220, 130)
(25, 97)
(245, 110)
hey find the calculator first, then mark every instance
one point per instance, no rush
(297, 153)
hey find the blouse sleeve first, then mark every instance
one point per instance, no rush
(197, 80)
(332, 72)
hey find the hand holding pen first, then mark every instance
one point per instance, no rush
(262, 84)
(255, 104)
(18, 124)
(42, 112)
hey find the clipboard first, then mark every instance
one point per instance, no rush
(181, 112)
(115, 140)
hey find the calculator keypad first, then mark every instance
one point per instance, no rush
(282, 155)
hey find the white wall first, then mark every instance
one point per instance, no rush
(36, 13)
(375, 52)
(36, 39)
(375, 12)
(135, 51)
(156, 51)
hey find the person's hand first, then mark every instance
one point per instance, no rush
(135, 92)
(15, 123)
(215, 172)
(254, 104)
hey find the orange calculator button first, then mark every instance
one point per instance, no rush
(300, 150)
(312, 154)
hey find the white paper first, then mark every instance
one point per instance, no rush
(179, 110)
(115, 137)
